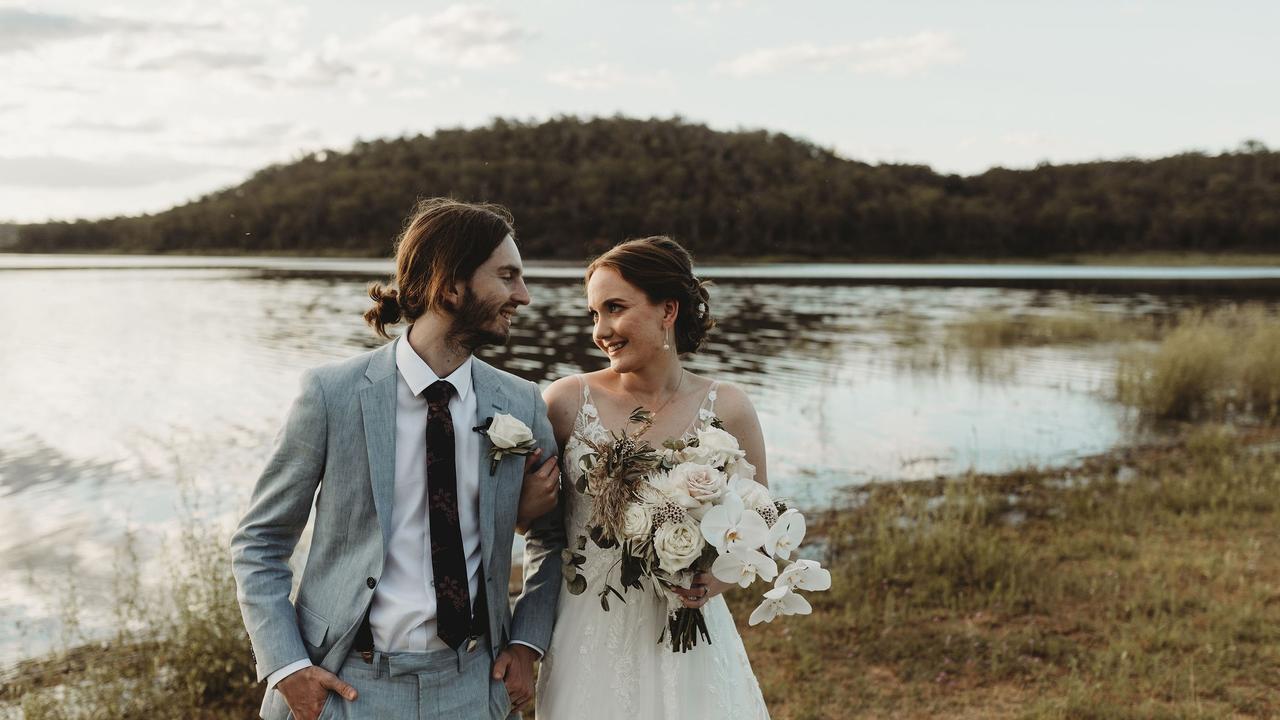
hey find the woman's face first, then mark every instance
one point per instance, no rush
(627, 327)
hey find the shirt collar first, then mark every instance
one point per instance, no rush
(418, 374)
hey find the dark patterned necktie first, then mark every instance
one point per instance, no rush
(448, 564)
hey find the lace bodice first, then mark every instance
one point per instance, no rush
(587, 424)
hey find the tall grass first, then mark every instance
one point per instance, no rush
(179, 651)
(1223, 364)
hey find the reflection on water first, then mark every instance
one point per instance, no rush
(117, 382)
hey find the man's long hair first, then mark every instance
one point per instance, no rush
(443, 242)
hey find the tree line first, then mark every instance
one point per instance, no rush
(576, 186)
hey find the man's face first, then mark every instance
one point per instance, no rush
(490, 300)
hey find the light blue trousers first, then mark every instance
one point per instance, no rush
(420, 686)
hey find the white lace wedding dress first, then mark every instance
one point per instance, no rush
(610, 664)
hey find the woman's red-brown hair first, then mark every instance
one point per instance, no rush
(663, 270)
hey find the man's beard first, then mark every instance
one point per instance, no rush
(472, 319)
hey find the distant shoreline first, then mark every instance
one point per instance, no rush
(1134, 259)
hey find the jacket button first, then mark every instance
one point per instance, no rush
(370, 582)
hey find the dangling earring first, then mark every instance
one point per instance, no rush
(666, 342)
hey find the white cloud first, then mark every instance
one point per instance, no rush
(906, 56)
(694, 9)
(466, 36)
(891, 56)
(195, 59)
(52, 171)
(597, 77)
(117, 126)
(22, 29)
(241, 135)
(771, 60)
(236, 44)
(604, 76)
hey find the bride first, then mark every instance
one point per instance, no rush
(647, 309)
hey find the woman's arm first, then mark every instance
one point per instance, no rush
(539, 494)
(740, 420)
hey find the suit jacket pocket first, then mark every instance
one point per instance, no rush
(313, 626)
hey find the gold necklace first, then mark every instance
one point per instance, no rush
(669, 399)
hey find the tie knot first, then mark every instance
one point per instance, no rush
(438, 391)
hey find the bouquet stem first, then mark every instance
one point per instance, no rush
(685, 625)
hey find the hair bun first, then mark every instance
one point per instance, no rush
(386, 309)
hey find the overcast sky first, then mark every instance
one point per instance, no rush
(122, 107)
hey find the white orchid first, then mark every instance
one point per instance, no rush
(804, 575)
(786, 534)
(742, 565)
(779, 601)
(730, 525)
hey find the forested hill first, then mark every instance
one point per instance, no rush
(576, 186)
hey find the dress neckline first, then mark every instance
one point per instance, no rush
(705, 411)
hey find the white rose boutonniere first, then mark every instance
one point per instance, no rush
(509, 436)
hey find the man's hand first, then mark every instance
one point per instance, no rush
(514, 667)
(306, 690)
(540, 491)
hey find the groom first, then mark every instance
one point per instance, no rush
(402, 608)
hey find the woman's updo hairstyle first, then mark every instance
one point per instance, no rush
(663, 269)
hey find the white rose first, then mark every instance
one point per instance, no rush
(506, 432)
(697, 454)
(721, 442)
(753, 494)
(637, 521)
(673, 488)
(715, 447)
(705, 483)
(717, 439)
(678, 544)
(741, 468)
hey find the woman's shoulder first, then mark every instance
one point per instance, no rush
(565, 390)
(731, 400)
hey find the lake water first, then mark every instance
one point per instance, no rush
(128, 383)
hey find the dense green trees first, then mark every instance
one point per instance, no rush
(576, 186)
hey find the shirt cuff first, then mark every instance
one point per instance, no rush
(286, 671)
(534, 647)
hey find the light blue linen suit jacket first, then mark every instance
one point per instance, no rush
(337, 447)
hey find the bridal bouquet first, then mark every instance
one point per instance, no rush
(687, 508)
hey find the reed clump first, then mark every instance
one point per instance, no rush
(1222, 364)
(992, 329)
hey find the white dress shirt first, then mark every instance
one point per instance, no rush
(403, 616)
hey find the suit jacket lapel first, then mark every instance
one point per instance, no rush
(378, 405)
(490, 400)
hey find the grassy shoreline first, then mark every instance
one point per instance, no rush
(1144, 583)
